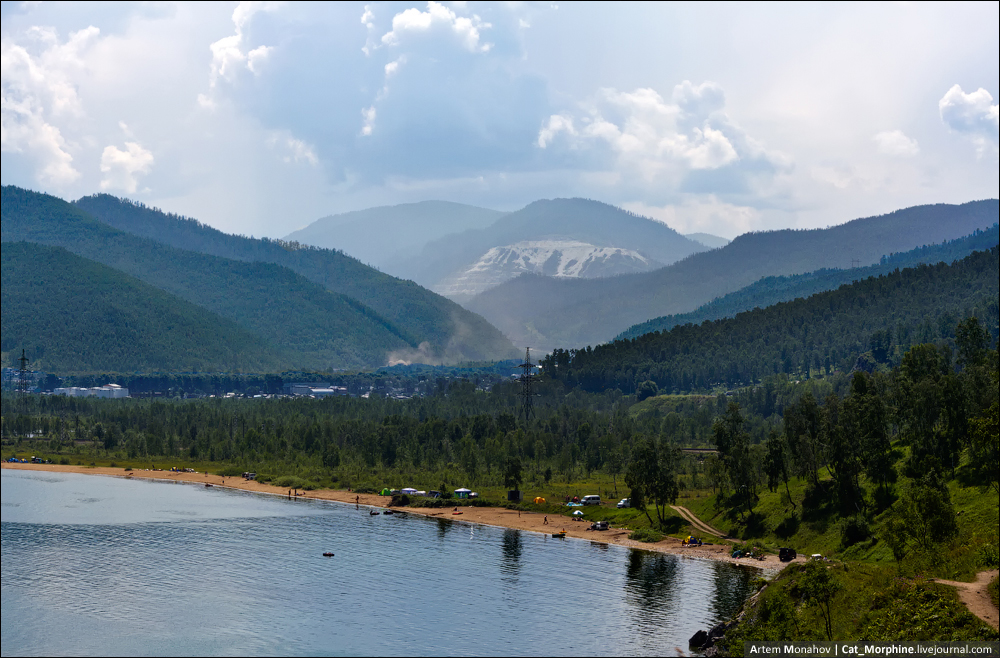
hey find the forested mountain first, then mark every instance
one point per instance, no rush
(71, 314)
(545, 312)
(383, 236)
(445, 330)
(774, 289)
(707, 239)
(318, 328)
(572, 220)
(881, 316)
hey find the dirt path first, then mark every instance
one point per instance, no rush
(975, 596)
(696, 522)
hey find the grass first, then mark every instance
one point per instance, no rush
(992, 589)
(873, 603)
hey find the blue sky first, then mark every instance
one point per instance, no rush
(260, 117)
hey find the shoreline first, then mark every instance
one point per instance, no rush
(492, 516)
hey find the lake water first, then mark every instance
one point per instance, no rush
(108, 566)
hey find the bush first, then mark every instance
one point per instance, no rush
(853, 530)
(231, 471)
(988, 556)
(647, 535)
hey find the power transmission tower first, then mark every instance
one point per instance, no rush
(22, 381)
(527, 379)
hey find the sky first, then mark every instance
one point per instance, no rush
(260, 117)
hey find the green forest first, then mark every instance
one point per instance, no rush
(775, 289)
(862, 324)
(421, 315)
(71, 314)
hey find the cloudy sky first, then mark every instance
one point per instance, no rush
(260, 117)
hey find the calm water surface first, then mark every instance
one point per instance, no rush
(108, 566)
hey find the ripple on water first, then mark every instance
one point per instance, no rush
(247, 576)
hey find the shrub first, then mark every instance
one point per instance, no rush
(647, 535)
(853, 530)
(988, 556)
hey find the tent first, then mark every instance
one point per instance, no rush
(462, 493)
(409, 491)
(385, 492)
(539, 500)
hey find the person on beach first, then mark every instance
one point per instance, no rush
(545, 520)
(357, 502)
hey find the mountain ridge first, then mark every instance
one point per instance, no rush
(592, 311)
(439, 329)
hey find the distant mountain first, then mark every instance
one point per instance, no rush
(382, 236)
(71, 314)
(880, 317)
(707, 239)
(440, 330)
(546, 312)
(557, 220)
(316, 328)
(560, 258)
(775, 289)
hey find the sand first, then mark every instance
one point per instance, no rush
(494, 516)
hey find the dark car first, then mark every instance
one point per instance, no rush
(786, 554)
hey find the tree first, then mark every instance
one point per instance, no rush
(802, 428)
(647, 389)
(776, 465)
(512, 472)
(819, 587)
(652, 477)
(733, 444)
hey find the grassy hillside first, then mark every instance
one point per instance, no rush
(828, 331)
(71, 314)
(774, 289)
(450, 332)
(588, 312)
(318, 329)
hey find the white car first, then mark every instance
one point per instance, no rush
(624, 502)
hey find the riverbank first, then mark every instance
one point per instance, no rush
(494, 516)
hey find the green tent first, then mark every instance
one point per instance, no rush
(385, 492)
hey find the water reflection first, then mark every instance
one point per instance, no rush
(443, 526)
(650, 584)
(512, 547)
(731, 586)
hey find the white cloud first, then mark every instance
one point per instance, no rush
(648, 133)
(557, 123)
(37, 91)
(121, 168)
(368, 114)
(896, 143)
(228, 58)
(972, 114)
(702, 214)
(294, 150)
(414, 21)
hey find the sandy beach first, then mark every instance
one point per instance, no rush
(494, 516)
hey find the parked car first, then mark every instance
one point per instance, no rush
(786, 554)
(592, 499)
(624, 502)
(599, 525)
(433, 494)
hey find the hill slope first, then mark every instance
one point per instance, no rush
(444, 330)
(828, 331)
(581, 312)
(319, 329)
(774, 289)
(71, 314)
(570, 220)
(383, 236)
